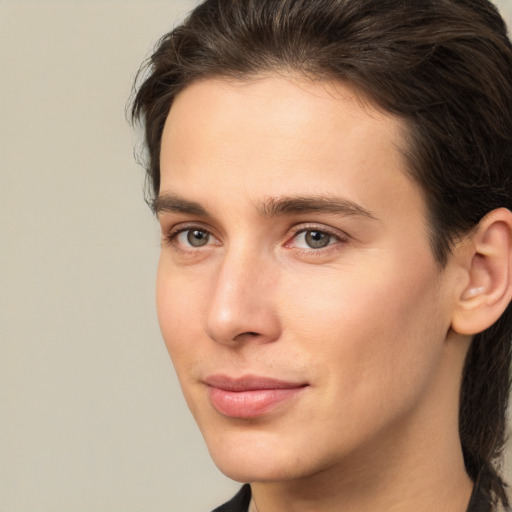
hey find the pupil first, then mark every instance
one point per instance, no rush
(197, 238)
(317, 239)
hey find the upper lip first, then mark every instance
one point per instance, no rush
(249, 383)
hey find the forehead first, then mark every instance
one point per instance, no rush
(273, 136)
(292, 108)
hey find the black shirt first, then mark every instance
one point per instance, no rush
(240, 503)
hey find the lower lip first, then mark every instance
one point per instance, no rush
(251, 403)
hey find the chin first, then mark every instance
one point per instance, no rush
(257, 457)
(247, 469)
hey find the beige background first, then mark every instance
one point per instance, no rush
(91, 416)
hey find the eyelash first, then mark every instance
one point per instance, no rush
(335, 237)
(170, 237)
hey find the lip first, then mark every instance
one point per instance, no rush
(249, 396)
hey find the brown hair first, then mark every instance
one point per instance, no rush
(444, 67)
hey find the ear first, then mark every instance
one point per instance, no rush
(488, 264)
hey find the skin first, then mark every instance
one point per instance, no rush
(364, 322)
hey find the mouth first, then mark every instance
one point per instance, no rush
(250, 396)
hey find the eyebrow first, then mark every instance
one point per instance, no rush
(172, 203)
(275, 207)
(271, 207)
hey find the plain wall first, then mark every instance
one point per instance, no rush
(91, 415)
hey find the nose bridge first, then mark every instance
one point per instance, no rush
(241, 305)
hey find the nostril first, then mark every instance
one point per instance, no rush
(247, 335)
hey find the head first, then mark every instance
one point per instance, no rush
(440, 69)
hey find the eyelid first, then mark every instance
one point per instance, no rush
(169, 235)
(341, 236)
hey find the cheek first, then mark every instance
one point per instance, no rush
(178, 308)
(178, 313)
(371, 334)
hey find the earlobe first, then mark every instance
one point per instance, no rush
(489, 270)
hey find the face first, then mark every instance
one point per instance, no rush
(297, 293)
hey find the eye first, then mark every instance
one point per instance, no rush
(192, 237)
(314, 239)
(188, 237)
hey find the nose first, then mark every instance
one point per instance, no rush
(242, 306)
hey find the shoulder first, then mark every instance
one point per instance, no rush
(239, 503)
